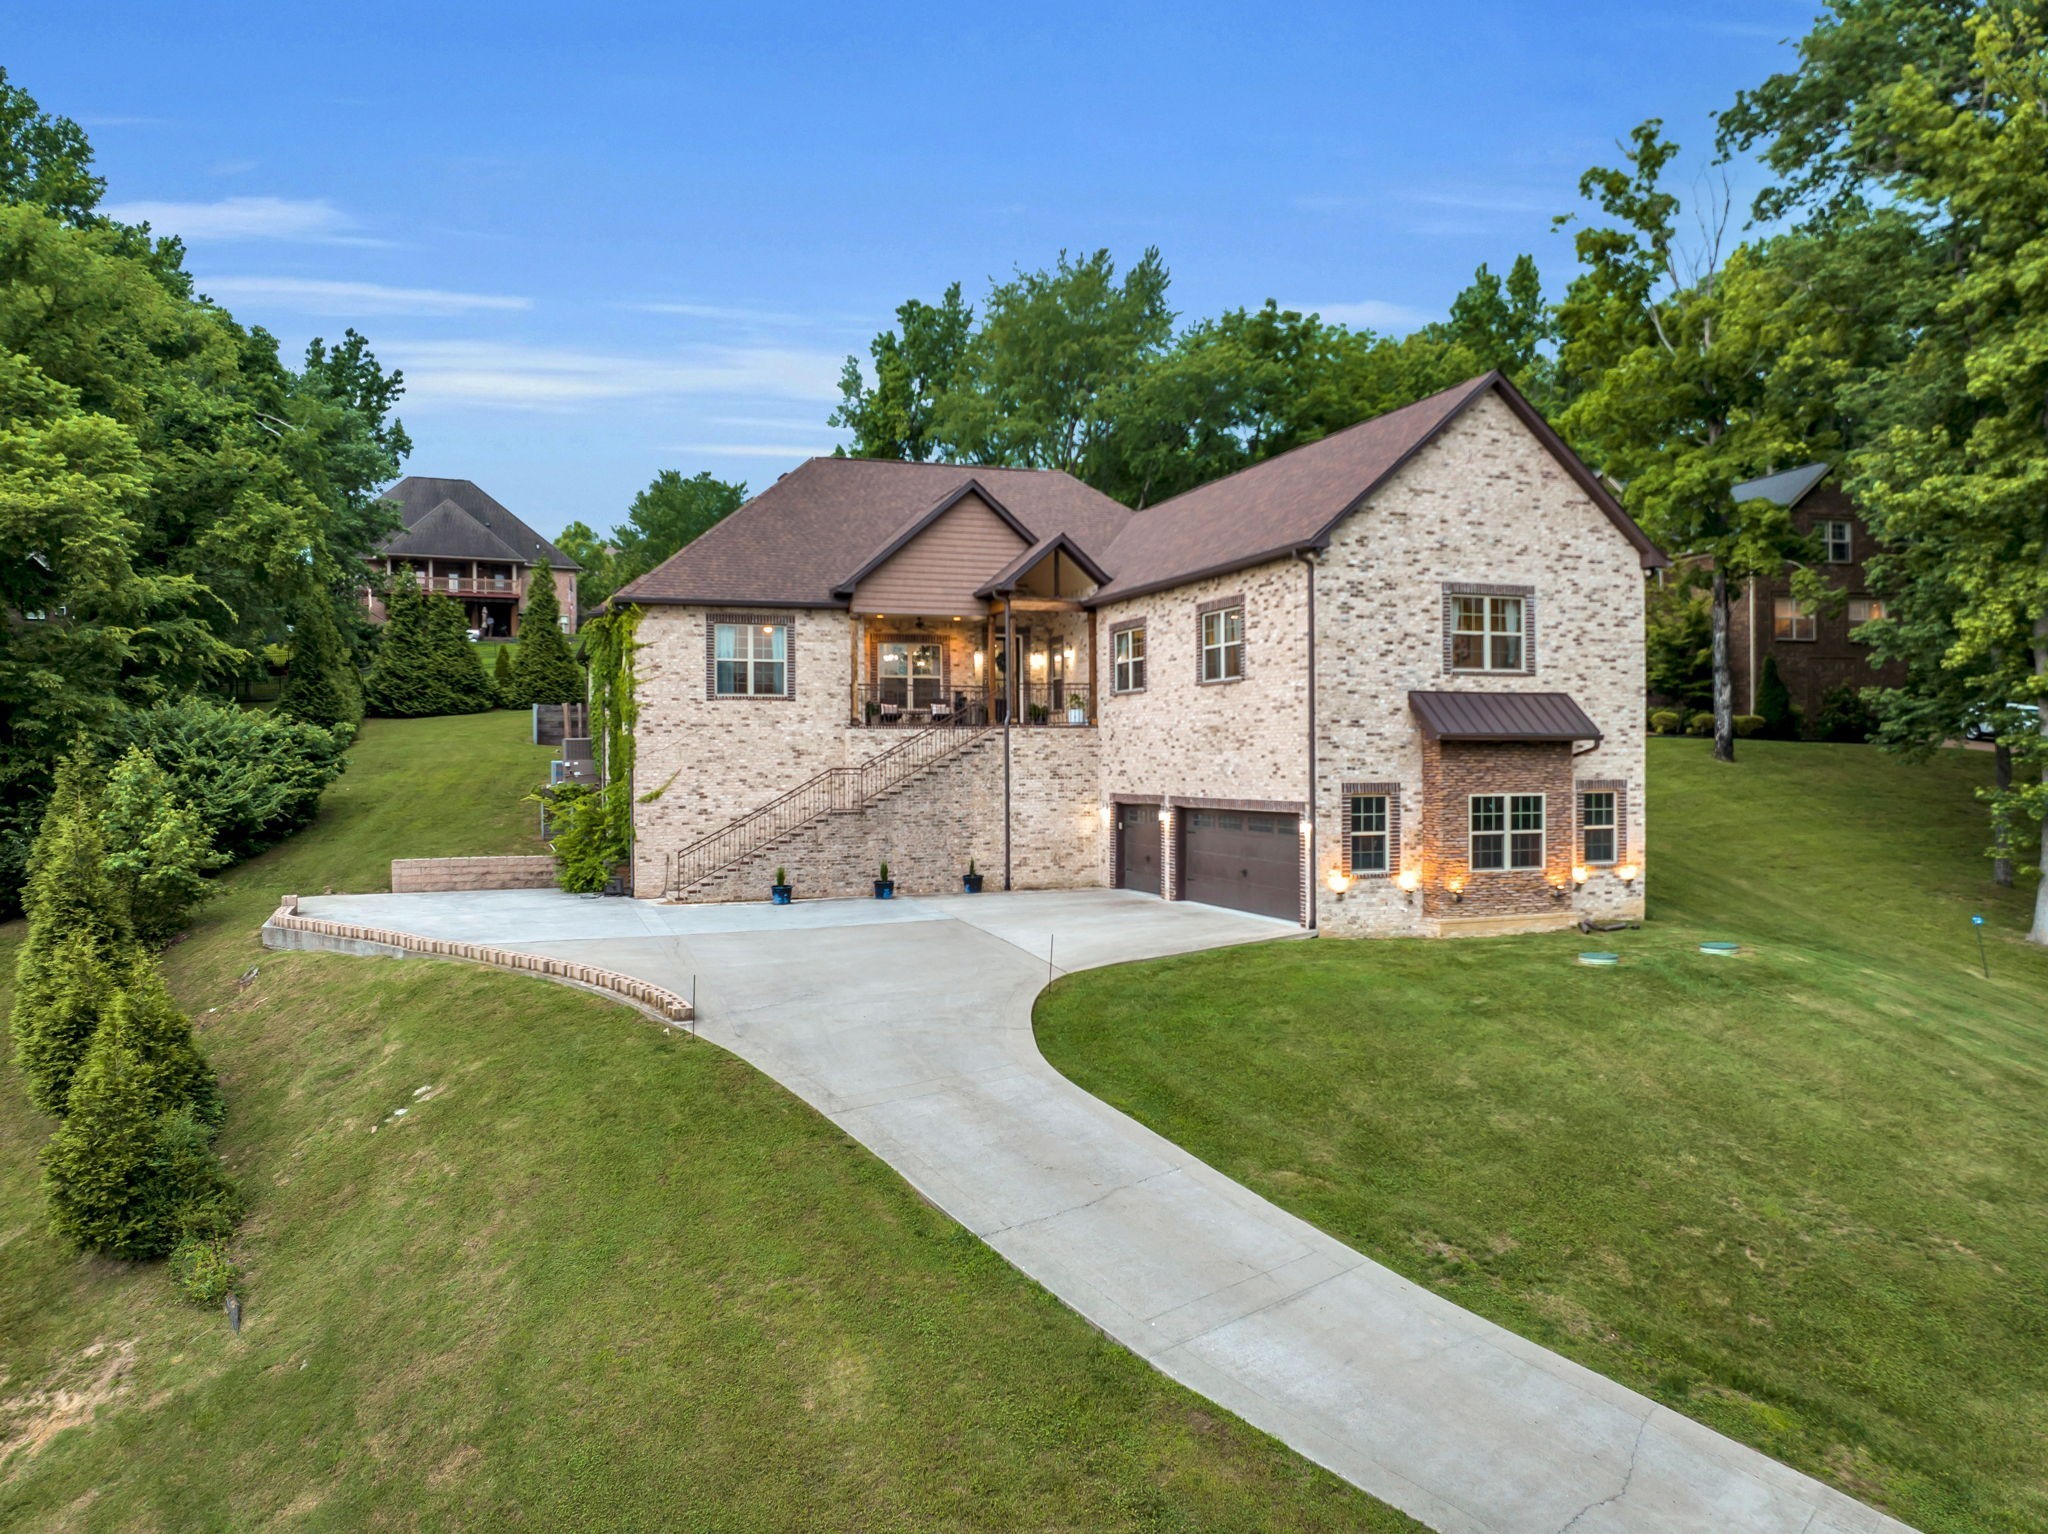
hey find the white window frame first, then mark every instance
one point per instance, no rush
(1224, 647)
(1786, 625)
(1611, 825)
(1382, 836)
(1873, 612)
(1127, 668)
(1491, 632)
(1509, 807)
(750, 666)
(1838, 533)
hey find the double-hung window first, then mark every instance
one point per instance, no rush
(1128, 669)
(1223, 644)
(1367, 828)
(1597, 827)
(1793, 619)
(1837, 543)
(1506, 832)
(1864, 610)
(1487, 633)
(751, 660)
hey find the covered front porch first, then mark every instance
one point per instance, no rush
(1026, 655)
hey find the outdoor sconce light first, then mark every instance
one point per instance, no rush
(1038, 660)
(1105, 814)
(979, 658)
(1070, 657)
(1307, 825)
(1457, 889)
(1163, 813)
(1557, 889)
(1339, 881)
(1408, 883)
(1578, 875)
(1627, 874)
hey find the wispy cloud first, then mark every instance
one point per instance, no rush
(751, 449)
(1372, 313)
(245, 218)
(515, 375)
(312, 295)
(1482, 200)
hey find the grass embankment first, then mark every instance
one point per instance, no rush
(1800, 1194)
(596, 1276)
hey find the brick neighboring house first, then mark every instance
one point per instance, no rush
(463, 544)
(1814, 650)
(1389, 682)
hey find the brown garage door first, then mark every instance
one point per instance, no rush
(1243, 859)
(1137, 829)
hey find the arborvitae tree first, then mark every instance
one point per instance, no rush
(79, 940)
(425, 663)
(64, 985)
(501, 677)
(100, 1171)
(1774, 703)
(161, 1037)
(323, 686)
(201, 1201)
(545, 670)
(159, 851)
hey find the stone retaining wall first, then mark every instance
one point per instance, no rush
(644, 994)
(523, 871)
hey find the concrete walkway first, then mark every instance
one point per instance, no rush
(908, 1023)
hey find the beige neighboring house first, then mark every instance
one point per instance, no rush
(1389, 682)
(461, 543)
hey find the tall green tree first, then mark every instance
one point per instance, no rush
(1506, 326)
(673, 510)
(915, 366)
(1669, 355)
(159, 848)
(425, 662)
(545, 669)
(45, 161)
(322, 686)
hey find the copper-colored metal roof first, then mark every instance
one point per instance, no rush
(1501, 716)
(1293, 501)
(800, 542)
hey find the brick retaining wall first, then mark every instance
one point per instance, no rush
(660, 1001)
(523, 871)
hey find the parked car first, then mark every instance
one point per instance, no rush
(2009, 719)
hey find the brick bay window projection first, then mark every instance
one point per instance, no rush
(1597, 826)
(1507, 832)
(1487, 633)
(1366, 823)
(1128, 669)
(1223, 644)
(751, 660)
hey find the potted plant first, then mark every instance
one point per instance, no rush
(1038, 713)
(779, 891)
(1077, 708)
(970, 881)
(885, 887)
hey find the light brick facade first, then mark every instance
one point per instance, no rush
(1483, 506)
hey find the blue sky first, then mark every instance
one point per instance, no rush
(603, 241)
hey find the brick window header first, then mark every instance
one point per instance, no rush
(1220, 653)
(783, 621)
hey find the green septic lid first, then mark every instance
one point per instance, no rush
(1599, 958)
(1720, 948)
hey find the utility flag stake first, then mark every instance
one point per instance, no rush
(1977, 925)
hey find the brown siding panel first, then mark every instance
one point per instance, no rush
(939, 571)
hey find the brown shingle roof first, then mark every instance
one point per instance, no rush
(449, 532)
(1501, 716)
(808, 534)
(1294, 501)
(418, 497)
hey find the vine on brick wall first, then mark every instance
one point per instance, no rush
(593, 827)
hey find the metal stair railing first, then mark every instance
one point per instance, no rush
(834, 789)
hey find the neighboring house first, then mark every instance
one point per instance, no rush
(1387, 682)
(1815, 651)
(464, 545)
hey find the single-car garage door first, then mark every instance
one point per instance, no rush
(1244, 859)
(1137, 831)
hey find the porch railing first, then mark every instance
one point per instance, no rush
(921, 702)
(834, 789)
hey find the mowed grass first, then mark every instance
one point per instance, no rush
(1800, 1194)
(597, 1276)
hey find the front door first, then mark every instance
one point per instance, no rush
(1137, 831)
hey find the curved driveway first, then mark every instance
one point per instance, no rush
(908, 1024)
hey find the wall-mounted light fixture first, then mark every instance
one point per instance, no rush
(979, 659)
(1457, 889)
(1338, 880)
(1070, 657)
(1558, 889)
(1037, 660)
(1307, 825)
(1628, 873)
(1105, 814)
(1578, 875)
(1163, 813)
(1409, 882)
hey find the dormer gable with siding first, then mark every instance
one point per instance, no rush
(941, 562)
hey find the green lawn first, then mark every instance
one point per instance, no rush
(597, 1276)
(1800, 1194)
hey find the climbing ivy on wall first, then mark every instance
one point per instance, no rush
(593, 827)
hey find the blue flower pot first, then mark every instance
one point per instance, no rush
(781, 894)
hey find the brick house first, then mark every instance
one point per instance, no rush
(461, 543)
(1388, 682)
(1815, 651)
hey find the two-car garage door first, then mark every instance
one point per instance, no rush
(1248, 860)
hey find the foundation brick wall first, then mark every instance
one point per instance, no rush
(1486, 504)
(521, 872)
(1183, 738)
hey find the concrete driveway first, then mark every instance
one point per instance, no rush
(908, 1024)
